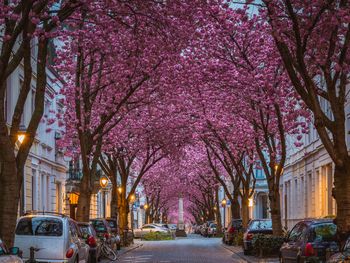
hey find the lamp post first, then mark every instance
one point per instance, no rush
(21, 136)
(145, 207)
(103, 184)
(223, 204)
(132, 199)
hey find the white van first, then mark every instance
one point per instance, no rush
(55, 237)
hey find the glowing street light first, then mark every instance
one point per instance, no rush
(120, 189)
(21, 134)
(103, 184)
(250, 202)
(103, 181)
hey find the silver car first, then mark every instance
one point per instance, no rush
(140, 232)
(55, 237)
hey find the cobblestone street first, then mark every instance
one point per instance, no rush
(191, 249)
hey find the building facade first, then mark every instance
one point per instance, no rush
(307, 182)
(45, 169)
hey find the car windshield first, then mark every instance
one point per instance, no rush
(325, 232)
(39, 226)
(85, 230)
(213, 226)
(112, 223)
(263, 224)
(347, 245)
(99, 226)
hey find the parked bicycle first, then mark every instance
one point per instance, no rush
(107, 251)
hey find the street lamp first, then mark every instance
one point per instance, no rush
(250, 202)
(132, 199)
(21, 134)
(223, 204)
(103, 184)
(145, 207)
(120, 189)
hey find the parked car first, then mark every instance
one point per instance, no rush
(89, 235)
(9, 255)
(138, 233)
(165, 226)
(103, 230)
(310, 239)
(172, 227)
(204, 230)
(57, 238)
(113, 224)
(343, 256)
(232, 229)
(212, 230)
(256, 226)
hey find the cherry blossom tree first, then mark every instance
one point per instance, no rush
(118, 54)
(233, 55)
(319, 75)
(26, 26)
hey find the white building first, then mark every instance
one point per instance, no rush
(307, 181)
(45, 169)
(258, 204)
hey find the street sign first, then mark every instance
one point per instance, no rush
(228, 202)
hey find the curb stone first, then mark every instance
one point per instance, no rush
(122, 253)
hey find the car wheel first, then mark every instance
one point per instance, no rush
(246, 252)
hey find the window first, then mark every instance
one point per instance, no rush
(261, 224)
(73, 230)
(34, 190)
(32, 102)
(148, 227)
(39, 226)
(296, 233)
(99, 226)
(324, 232)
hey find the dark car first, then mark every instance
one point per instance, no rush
(314, 239)
(256, 226)
(113, 224)
(89, 235)
(232, 229)
(343, 256)
(103, 230)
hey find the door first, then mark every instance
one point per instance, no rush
(290, 249)
(147, 229)
(80, 245)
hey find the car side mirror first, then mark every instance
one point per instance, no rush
(14, 251)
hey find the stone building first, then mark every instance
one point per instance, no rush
(307, 181)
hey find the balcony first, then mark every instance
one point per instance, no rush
(74, 174)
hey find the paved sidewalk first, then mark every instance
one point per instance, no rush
(250, 259)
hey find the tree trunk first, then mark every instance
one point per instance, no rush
(245, 211)
(10, 195)
(114, 203)
(275, 207)
(235, 207)
(342, 196)
(217, 210)
(83, 211)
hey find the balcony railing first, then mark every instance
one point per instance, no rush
(74, 174)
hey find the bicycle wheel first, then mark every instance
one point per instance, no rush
(108, 252)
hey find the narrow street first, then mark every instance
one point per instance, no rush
(191, 249)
